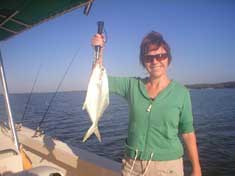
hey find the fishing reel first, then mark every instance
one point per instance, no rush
(38, 132)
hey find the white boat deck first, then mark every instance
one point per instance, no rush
(9, 158)
(45, 151)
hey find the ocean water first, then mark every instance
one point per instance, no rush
(214, 121)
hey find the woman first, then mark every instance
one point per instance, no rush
(159, 111)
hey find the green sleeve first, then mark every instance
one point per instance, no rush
(186, 116)
(119, 85)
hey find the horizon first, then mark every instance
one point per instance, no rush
(200, 35)
(84, 90)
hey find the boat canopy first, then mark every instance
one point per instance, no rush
(19, 15)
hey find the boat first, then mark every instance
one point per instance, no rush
(22, 151)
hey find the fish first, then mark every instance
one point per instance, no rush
(97, 99)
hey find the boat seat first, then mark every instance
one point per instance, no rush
(40, 171)
(10, 161)
(7, 153)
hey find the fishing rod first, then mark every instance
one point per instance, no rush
(19, 125)
(38, 131)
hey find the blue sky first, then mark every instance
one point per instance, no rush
(200, 33)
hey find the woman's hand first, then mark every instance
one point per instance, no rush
(98, 40)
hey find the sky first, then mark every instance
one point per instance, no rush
(200, 34)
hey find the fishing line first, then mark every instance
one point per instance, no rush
(38, 129)
(29, 99)
(105, 35)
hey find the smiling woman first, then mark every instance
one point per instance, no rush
(160, 111)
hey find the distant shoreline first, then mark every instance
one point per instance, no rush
(222, 85)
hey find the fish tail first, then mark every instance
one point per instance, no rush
(91, 130)
(97, 133)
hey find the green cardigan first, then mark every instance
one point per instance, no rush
(154, 125)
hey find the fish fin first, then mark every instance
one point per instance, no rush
(84, 106)
(90, 131)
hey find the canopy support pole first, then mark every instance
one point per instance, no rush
(7, 103)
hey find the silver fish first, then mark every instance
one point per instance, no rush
(97, 99)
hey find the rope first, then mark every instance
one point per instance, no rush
(132, 167)
(148, 164)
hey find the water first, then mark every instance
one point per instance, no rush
(214, 119)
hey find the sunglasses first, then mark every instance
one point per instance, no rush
(159, 57)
